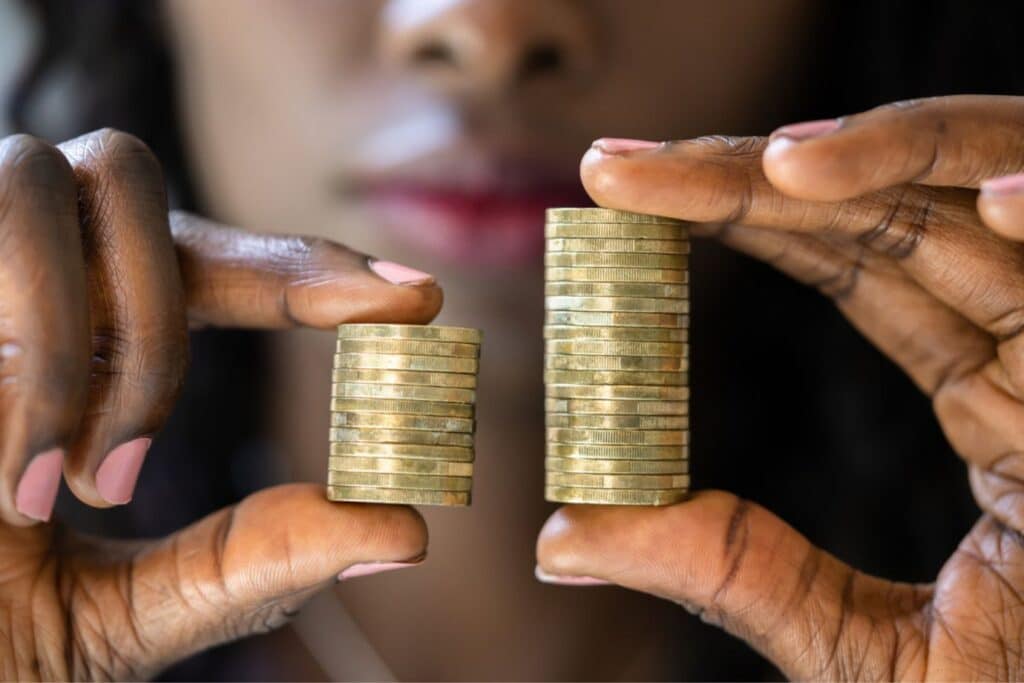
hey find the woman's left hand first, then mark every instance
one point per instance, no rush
(881, 212)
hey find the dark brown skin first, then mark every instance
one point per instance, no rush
(882, 215)
(99, 286)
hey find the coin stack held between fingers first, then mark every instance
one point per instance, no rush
(616, 358)
(403, 414)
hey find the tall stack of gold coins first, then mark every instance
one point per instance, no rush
(403, 414)
(616, 358)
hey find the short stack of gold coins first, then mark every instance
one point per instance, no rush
(616, 358)
(403, 414)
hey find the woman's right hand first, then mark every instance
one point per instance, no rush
(98, 288)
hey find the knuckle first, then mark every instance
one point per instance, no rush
(27, 161)
(109, 147)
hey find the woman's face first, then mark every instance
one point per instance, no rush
(435, 131)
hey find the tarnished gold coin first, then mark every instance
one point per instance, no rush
(443, 333)
(402, 450)
(566, 494)
(650, 231)
(402, 391)
(642, 289)
(618, 481)
(638, 378)
(362, 494)
(557, 361)
(615, 407)
(615, 303)
(611, 319)
(629, 334)
(616, 452)
(593, 214)
(430, 379)
(595, 466)
(367, 361)
(606, 392)
(394, 405)
(399, 481)
(407, 347)
(394, 421)
(361, 463)
(370, 435)
(655, 422)
(625, 246)
(614, 259)
(649, 275)
(623, 437)
(587, 347)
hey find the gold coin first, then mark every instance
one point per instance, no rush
(443, 333)
(623, 246)
(430, 379)
(407, 347)
(360, 463)
(593, 214)
(622, 437)
(615, 303)
(655, 422)
(650, 231)
(399, 481)
(662, 276)
(628, 334)
(618, 481)
(586, 347)
(617, 452)
(556, 361)
(363, 494)
(607, 392)
(615, 259)
(618, 377)
(394, 421)
(394, 405)
(595, 466)
(615, 407)
(402, 450)
(642, 289)
(565, 494)
(402, 391)
(425, 438)
(368, 361)
(615, 319)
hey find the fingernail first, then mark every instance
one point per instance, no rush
(623, 145)
(805, 130)
(117, 474)
(559, 580)
(37, 490)
(1004, 185)
(368, 568)
(397, 274)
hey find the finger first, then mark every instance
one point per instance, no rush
(1001, 205)
(235, 278)
(137, 311)
(44, 325)
(952, 141)
(244, 570)
(740, 567)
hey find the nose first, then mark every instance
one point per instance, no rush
(487, 47)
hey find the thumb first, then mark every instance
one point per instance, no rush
(738, 566)
(246, 569)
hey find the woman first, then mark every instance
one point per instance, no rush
(432, 133)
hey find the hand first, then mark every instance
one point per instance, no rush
(880, 211)
(97, 290)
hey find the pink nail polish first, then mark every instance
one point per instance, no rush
(806, 130)
(1004, 185)
(559, 580)
(37, 490)
(368, 568)
(398, 274)
(623, 145)
(117, 474)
